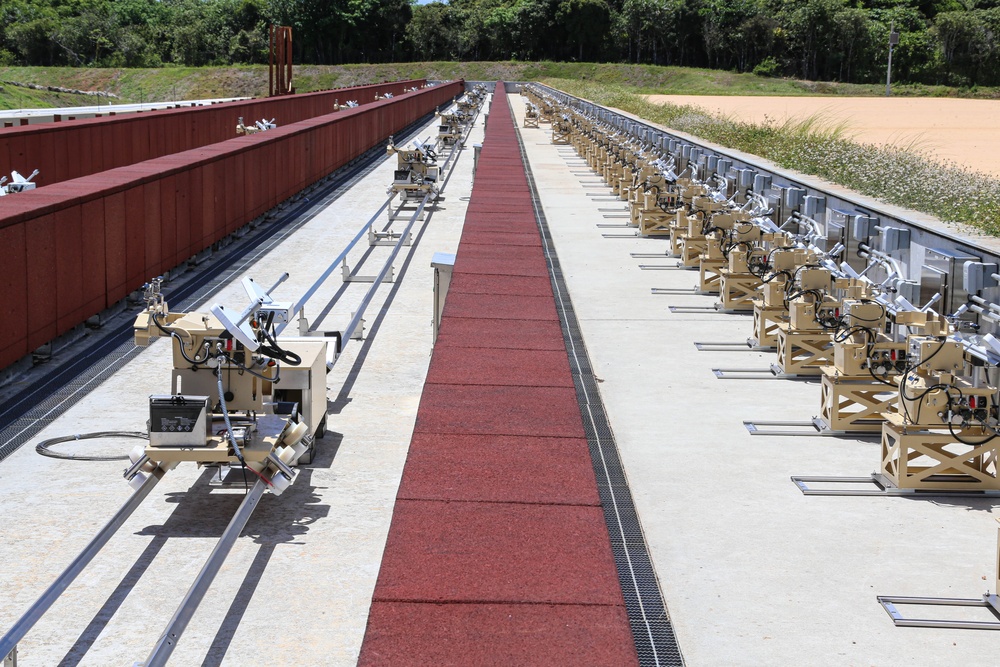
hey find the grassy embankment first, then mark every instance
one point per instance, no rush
(901, 175)
(173, 83)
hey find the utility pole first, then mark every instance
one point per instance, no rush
(893, 41)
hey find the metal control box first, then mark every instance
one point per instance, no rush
(802, 316)
(850, 358)
(942, 273)
(773, 293)
(926, 402)
(178, 421)
(928, 353)
(867, 314)
(787, 260)
(814, 279)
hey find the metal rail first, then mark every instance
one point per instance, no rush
(23, 415)
(164, 647)
(359, 314)
(21, 627)
(175, 628)
(465, 136)
(336, 263)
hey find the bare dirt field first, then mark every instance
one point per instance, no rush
(960, 130)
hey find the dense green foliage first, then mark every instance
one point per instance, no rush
(952, 42)
(150, 33)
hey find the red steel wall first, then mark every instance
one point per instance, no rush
(76, 247)
(66, 150)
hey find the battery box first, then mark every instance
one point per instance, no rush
(178, 421)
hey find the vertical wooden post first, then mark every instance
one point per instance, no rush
(280, 61)
(270, 62)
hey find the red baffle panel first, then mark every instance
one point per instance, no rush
(78, 246)
(71, 149)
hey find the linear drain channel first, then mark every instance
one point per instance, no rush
(654, 637)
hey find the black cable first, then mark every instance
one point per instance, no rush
(44, 447)
(918, 397)
(818, 295)
(871, 371)
(909, 369)
(905, 375)
(767, 263)
(173, 334)
(843, 335)
(827, 323)
(951, 430)
(245, 369)
(275, 352)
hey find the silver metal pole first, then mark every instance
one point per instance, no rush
(334, 265)
(172, 634)
(349, 331)
(356, 320)
(283, 278)
(454, 150)
(893, 41)
(888, 74)
(9, 641)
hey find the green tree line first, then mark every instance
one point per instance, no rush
(952, 42)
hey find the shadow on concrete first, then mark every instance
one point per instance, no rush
(985, 505)
(204, 511)
(290, 516)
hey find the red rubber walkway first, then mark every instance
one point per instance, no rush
(498, 552)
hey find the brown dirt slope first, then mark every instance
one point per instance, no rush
(964, 131)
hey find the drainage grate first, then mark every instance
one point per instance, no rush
(651, 629)
(88, 364)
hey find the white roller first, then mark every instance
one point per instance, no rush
(279, 483)
(285, 455)
(137, 480)
(295, 434)
(137, 453)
